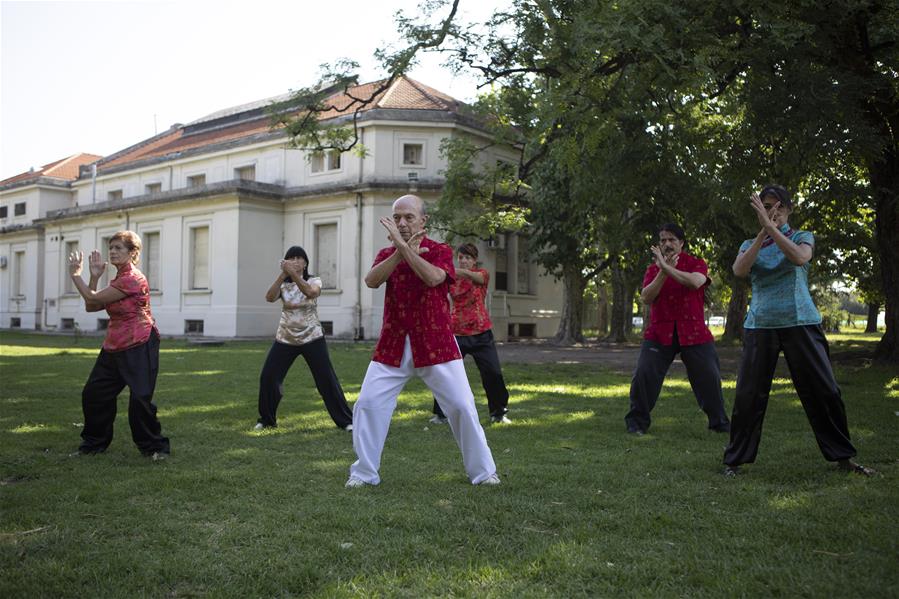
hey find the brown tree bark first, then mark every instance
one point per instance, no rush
(571, 324)
(873, 312)
(736, 311)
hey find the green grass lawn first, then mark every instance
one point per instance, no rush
(584, 509)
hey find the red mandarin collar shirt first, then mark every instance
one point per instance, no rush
(421, 312)
(678, 306)
(130, 320)
(469, 307)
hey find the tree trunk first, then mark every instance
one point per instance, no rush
(571, 325)
(736, 310)
(873, 312)
(602, 306)
(884, 176)
(622, 305)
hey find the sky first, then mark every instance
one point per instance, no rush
(99, 76)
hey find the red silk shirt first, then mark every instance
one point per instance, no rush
(421, 312)
(130, 320)
(469, 308)
(678, 306)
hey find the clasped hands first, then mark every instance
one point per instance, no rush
(766, 217)
(662, 261)
(396, 238)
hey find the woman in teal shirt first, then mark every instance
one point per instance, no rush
(782, 316)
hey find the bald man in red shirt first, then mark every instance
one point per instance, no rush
(416, 340)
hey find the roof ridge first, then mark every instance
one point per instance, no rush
(390, 91)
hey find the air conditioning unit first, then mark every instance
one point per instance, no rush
(497, 243)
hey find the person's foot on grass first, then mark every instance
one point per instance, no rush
(854, 468)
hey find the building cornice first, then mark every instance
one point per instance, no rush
(244, 190)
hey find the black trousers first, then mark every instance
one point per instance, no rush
(135, 368)
(482, 348)
(271, 381)
(703, 371)
(808, 357)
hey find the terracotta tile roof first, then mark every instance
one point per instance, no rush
(403, 94)
(65, 168)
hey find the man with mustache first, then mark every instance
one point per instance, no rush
(674, 287)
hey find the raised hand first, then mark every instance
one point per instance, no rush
(393, 234)
(657, 255)
(766, 218)
(76, 260)
(96, 264)
(415, 242)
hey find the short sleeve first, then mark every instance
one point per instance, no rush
(486, 276)
(649, 275)
(745, 245)
(316, 281)
(806, 237)
(441, 256)
(699, 265)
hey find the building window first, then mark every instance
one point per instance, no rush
(193, 327)
(151, 188)
(102, 324)
(324, 161)
(196, 180)
(328, 327)
(15, 323)
(245, 173)
(527, 329)
(413, 154)
(69, 287)
(114, 195)
(523, 266)
(326, 255)
(67, 324)
(501, 279)
(19, 209)
(4, 211)
(199, 258)
(149, 260)
(18, 265)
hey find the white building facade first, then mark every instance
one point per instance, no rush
(218, 201)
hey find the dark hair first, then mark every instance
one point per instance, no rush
(469, 249)
(297, 252)
(674, 230)
(780, 192)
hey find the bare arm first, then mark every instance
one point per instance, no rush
(745, 260)
(97, 267)
(274, 292)
(92, 297)
(797, 254)
(475, 277)
(668, 268)
(381, 271)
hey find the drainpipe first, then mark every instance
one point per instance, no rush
(360, 330)
(93, 183)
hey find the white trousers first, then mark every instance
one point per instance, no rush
(377, 401)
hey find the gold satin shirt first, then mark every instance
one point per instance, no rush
(299, 315)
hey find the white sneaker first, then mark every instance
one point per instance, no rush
(435, 419)
(493, 479)
(353, 482)
(259, 426)
(500, 420)
(348, 428)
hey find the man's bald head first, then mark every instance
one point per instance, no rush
(409, 215)
(411, 201)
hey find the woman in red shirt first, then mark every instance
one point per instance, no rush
(130, 353)
(474, 332)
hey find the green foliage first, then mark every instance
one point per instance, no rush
(583, 510)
